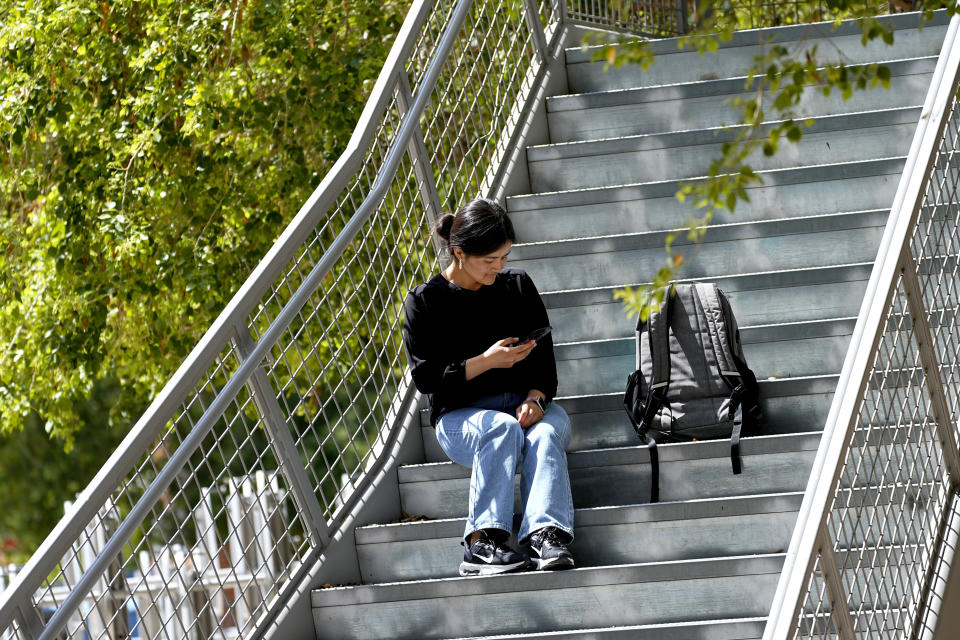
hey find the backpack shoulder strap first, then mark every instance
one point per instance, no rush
(732, 366)
(718, 318)
(750, 393)
(658, 335)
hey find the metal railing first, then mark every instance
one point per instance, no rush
(302, 380)
(656, 18)
(250, 505)
(868, 556)
(298, 391)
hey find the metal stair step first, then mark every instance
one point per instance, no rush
(792, 405)
(732, 285)
(618, 476)
(653, 206)
(787, 350)
(740, 629)
(734, 587)
(813, 625)
(840, 44)
(661, 532)
(777, 245)
(604, 536)
(802, 295)
(688, 154)
(663, 189)
(695, 105)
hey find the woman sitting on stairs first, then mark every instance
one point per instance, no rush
(466, 333)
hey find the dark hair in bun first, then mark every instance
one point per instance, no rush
(479, 227)
(444, 224)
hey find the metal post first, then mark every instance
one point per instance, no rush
(683, 27)
(119, 623)
(559, 12)
(931, 365)
(291, 465)
(31, 626)
(839, 610)
(532, 13)
(417, 150)
(935, 590)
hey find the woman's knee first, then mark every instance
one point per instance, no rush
(554, 428)
(503, 428)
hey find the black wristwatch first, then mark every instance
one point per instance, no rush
(540, 402)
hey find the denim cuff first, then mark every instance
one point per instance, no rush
(492, 525)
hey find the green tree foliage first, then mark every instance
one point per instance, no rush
(768, 116)
(150, 153)
(37, 476)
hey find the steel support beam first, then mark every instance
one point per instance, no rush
(532, 13)
(291, 465)
(31, 624)
(839, 609)
(417, 150)
(931, 365)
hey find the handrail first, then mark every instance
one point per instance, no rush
(218, 336)
(272, 336)
(16, 610)
(896, 270)
(260, 363)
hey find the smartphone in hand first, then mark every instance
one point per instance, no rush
(537, 334)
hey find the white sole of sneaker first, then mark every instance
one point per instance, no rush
(474, 569)
(553, 564)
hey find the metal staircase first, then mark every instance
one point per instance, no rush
(842, 270)
(795, 261)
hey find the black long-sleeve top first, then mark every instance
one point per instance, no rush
(445, 325)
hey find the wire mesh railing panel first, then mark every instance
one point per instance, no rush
(475, 103)
(425, 48)
(321, 368)
(936, 249)
(341, 364)
(655, 18)
(665, 18)
(815, 620)
(891, 497)
(885, 518)
(896, 477)
(211, 552)
(774, 13)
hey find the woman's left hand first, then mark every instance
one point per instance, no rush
(529, 414)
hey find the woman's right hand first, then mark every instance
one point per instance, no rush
(505, 353)
(502, 354)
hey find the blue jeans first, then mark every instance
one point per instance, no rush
(487, 438)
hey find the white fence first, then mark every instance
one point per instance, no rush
(246, 520)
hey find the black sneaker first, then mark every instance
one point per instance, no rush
(488, 556)
(548, 549)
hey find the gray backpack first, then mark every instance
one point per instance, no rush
(692, 381)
